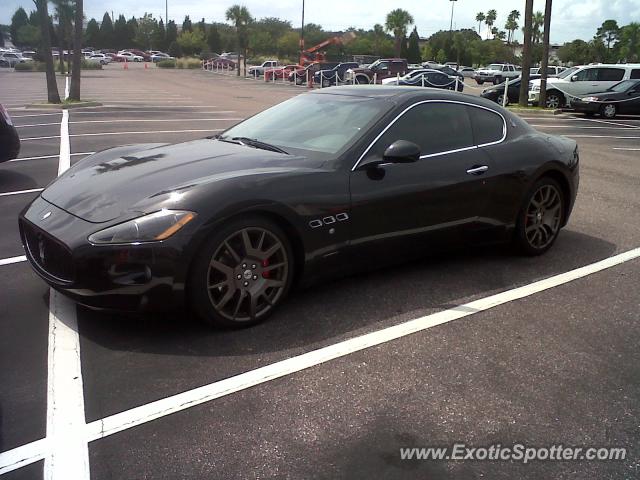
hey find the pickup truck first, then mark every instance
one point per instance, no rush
(258, 71)
(377, 71)
(496, 73)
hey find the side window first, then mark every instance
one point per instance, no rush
(588, 75)
(635, 74)
(488, 127)
(435, 127)
(610, 74)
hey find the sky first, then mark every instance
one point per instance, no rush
(571, 18)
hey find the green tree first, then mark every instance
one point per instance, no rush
(92, 33)
(240, 17)
(441, 57)
(427, 52)
(576, 52)
(213, 40)
(159, 37)
(192, 43)
(28, 35)
(413, 55)
(63, 13)
(146, 27)
(609, 33)
(172, 32)
(45, 35)
(404, 48)
(1, 38)
(630, 42)
(288, 44)
(379, 36)
(18, 20)
(121, 34)
(187, 25)
(398, 21)
(174, 49)
(106, 32)
(202, 26)
(480, 17)
(490, 19)
(132, 31)
(33, 18)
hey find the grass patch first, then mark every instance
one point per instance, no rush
(41, 66)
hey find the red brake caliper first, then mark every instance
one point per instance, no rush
(267, 274)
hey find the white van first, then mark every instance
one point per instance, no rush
(578, 81)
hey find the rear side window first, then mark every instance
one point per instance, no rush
(435, 127)
(635, 74)
(488, 127)
(610, 74)
(588, 75)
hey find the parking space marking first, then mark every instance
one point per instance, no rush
(578, 127)
(35, 115)
(11, 260)
(100, 134)
(604, 121)
(145, 413)
(68, 455)
(136, 120)
(627, 149)
(43, 157)
(20, 192)
(602, 136)
(22, 456)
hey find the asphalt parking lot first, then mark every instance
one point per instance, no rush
(558, 365)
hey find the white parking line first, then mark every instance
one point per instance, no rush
(35, 115)
(602, 136)
(573, 127)
(9, 261)
(145, 413)
(120, 111)
(22, 159)
(124, 120)
(627, 149)
(100, 134)
(68, 456)
(604, 121)
(20, 192)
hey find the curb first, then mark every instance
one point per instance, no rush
(63, 106)
(535, 111)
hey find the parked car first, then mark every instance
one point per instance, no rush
(433, 79)
(496, 93)
(223, 63)
(280, 72)
(300, 76)
(577, 82)
(258, 70)
(159, 56)
(431, 64)
(496, 73)
(11, 59)
(453, 65)
(552, 70)
(145, 56)
(128, 57)
(229, 224)
(450, 71)
(326, 78)
(377, 71)
(622, 98)
(9, 139)
(101, 58)
(467, 72)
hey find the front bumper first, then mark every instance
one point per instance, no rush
(585, 107)
(9, 143)
(146, 276)
(534, 97)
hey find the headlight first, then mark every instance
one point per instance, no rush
(590, 99)
(148, 228)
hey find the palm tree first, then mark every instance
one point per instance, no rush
(630, 42)
(398, 21)
(45, 38)
(74, 90)
(490, 19)
(378, 37)
(241, 18)
(538, 22)
(480, 18)
(512, 24)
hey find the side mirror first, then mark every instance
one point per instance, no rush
(574, 78)
(400, 151)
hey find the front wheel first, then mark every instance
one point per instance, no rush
(497, 80)
(554, 100)
(540, 218)
(609, 111)
(243, 273)
(500, 99)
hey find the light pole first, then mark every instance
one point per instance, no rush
(301, 61)
(453, 3)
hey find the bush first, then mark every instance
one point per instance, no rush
(41, 66)
(25, 67)
(166, 64)
(91, 65)
(190, 63)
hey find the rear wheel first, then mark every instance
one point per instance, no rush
(480, 82)
(500, 99)
(540, 218)
(360, 80)
(243, 274)
(609, 110)
(554, 100)
(497, 80)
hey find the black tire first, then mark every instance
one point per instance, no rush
(497, 80)
(609, 110)
(500, 99)
(233, 286)
(360, 80)
(555, 99)
(480, 82)
(540, 218)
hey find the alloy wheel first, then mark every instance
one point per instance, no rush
(609, 110)
(553, 101)
(543, 216)
(247, 274)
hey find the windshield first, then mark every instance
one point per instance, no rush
(323, 124)
(568, 72)
(624, 85)
(494, 66)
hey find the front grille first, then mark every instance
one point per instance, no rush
(53, 258)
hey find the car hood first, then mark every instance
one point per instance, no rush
(107, 185)
(604, 95)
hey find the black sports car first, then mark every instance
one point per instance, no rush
(623, 97)
(496, 93)
(9, 139)
(432, 79)
(370, 175)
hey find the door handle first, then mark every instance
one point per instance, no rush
(478, 170)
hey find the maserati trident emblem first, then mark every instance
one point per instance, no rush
(46, 215)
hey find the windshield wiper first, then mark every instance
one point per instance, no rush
(254, 142)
